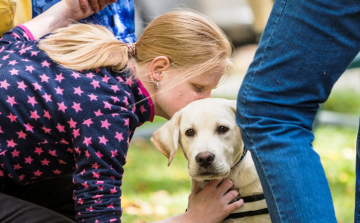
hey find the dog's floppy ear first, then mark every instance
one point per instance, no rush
(166, 138)
(233, 105)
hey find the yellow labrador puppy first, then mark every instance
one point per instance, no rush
(211, 141)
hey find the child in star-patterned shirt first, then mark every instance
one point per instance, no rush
(70, 102)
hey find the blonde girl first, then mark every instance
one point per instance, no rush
(72, 100)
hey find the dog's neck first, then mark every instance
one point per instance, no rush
(245, 177)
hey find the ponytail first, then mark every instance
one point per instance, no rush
(193, 44)
(85, 47)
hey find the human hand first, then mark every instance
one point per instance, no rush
(95, 5)
(211, 204)
(80, 9)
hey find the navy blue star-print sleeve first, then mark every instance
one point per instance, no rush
(100, 146)
(16, 34)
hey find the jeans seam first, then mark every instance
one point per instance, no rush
(247, 89)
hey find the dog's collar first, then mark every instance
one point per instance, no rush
(253, 205)
(242, 157)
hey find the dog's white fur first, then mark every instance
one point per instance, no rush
(205, 117)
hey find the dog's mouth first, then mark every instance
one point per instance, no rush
(209, 174)
(206, 174)
(206, 171)
(208, 177)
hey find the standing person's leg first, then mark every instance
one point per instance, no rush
(357, 195)
(304, 49)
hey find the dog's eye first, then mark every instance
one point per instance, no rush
(222, 129)
(190, 132)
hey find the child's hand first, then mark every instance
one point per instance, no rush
(211, 204)
(95, 5)
(80, 9)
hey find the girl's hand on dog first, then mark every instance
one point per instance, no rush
(211, 204)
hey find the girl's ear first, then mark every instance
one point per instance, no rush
(157, 66)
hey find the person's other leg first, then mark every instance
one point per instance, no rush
(304, 49)
(54, 194)
(15, 210)
(261, 10)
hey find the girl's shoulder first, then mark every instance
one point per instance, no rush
(18, 33)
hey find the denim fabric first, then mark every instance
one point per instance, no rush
(305, 48)
(118, 17)
(357, 193)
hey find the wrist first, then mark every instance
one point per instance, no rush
(188, 217)
(65, 13)
(55, 17)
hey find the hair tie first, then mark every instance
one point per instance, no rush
(131, 49)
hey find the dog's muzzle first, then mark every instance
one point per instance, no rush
(205, 161)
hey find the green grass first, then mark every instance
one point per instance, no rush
(344, 101)
(153, 191)
(336, 147)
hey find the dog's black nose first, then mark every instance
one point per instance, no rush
(205, 159)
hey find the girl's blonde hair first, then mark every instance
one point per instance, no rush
(190, 41)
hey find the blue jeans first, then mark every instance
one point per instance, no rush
(305, 47)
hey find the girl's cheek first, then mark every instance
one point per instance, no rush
(194, 96)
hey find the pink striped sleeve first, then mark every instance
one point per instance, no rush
(27, 31)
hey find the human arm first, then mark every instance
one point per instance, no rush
(100, 148)
(210, 204)
(61, 14)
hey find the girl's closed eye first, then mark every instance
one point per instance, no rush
(197, 87)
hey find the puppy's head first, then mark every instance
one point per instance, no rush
(208, 135)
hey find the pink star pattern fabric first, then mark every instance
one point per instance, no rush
(55, 121)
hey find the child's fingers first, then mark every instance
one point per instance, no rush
(225, 186)
(94, 5)
(196, 189)
(103, 3)
(235, 205)
(84, 4)
(214, 183)
(231, 195)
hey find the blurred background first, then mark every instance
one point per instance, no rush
(153, 191)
